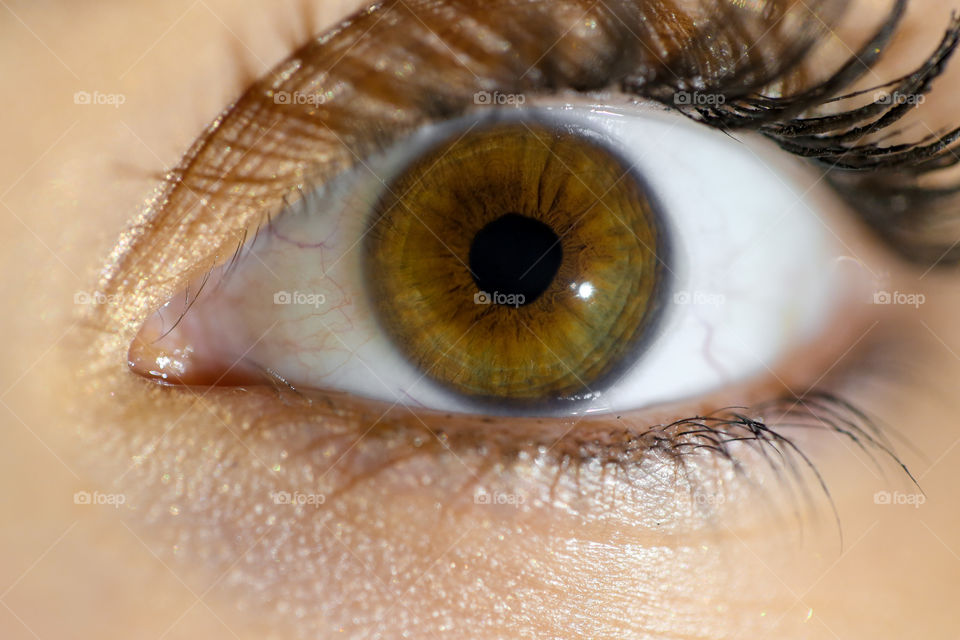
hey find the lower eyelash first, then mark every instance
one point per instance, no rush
(697, 453)
(719, 434)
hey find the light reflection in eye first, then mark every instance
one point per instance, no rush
(584, 290)
(733, 299)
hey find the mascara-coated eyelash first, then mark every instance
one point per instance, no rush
(882, 183)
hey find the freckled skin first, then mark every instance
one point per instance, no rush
(197, 549)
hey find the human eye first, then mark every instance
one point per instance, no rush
(322, 287)
(572, 261)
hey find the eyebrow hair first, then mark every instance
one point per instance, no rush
(401, 64)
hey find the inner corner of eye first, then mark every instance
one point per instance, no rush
(528, 264)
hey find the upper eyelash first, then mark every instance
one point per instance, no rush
(882, 183)
(743, 109)
(257, 153)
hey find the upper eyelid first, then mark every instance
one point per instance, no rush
(387, 72)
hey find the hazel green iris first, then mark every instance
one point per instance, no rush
(517, 263)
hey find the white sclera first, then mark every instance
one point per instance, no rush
(753, 264)
(750, 272)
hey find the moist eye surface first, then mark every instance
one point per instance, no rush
(548, 262)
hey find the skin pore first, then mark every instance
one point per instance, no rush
(197, 550)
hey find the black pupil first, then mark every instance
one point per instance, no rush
(515, 256)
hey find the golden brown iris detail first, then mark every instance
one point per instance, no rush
(555, 224)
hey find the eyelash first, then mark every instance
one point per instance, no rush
(664, 453)
(883, 184)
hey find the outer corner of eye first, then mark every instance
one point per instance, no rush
(580, 260)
